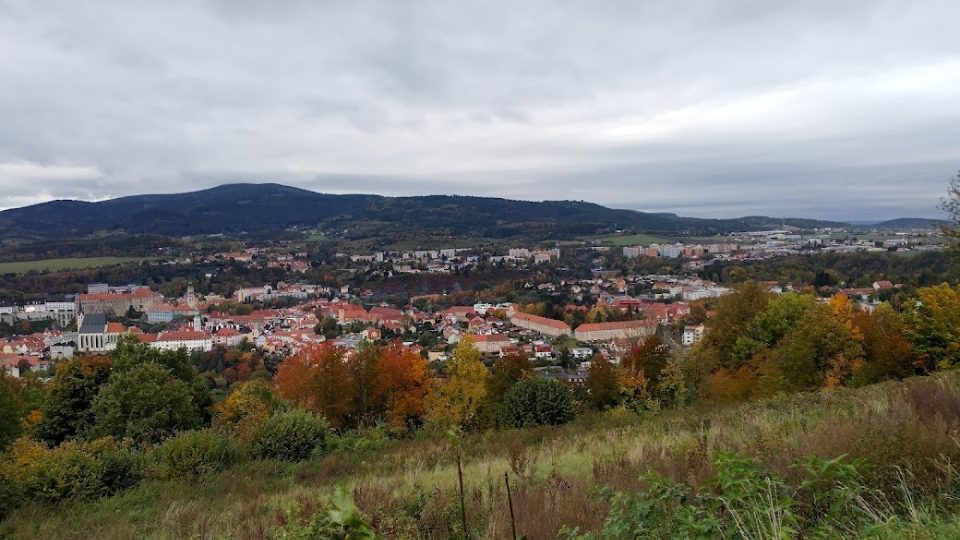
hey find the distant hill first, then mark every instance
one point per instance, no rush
(907, 224)
(264, 208)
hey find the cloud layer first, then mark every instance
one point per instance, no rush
(847, 110)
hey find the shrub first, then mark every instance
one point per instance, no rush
(535, 402)
(290, 436)
(197, 453)
(76, 470)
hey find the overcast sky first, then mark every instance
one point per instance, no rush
(832, 109)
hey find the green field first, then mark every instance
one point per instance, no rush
(18, 267)
(620, 240)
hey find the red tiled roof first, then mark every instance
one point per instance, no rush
(182, 335)
(619, 325)
(491, 338)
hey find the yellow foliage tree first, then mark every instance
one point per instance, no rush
(456, 399)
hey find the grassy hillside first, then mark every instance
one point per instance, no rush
(63, 264)
(900, 435)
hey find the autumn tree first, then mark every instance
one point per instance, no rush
(66, 409)
(247, 406)
(318, 379)
(887, 353)
(932, 323)
(403, 383)
(821, 351)
(456, 399)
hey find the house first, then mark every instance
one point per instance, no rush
(692, 334)
(191, 340)
(882, 285)
(615, 330)
(491, 343)
(542, 351)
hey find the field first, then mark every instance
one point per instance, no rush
(900, 435)
(64, 264)
(620, 240)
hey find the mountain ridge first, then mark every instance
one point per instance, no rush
(267, 207)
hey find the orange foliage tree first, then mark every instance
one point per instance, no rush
(403, 382)
(318, 379)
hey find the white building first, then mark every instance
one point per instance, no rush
(692, 334)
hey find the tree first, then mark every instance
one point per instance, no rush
(603, 386)
(66, 409)
(507, 372)
(821, 351)
(130, 353)
(328, 327)
(318, 379)
(646, 359)
(146, 403)
(455, 401)
(403, 382)
(932, 323)
(537, 402)
(247, 407)
(735, 313)
(887, 352)
(951, 205)
(10, 412)
(368, 404)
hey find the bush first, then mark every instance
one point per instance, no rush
(197, 453)
(290, 436)
(75, 470)
(536, 402)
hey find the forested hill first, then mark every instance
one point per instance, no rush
(257, 208)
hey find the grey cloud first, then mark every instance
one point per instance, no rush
(822, 109)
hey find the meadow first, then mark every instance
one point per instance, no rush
(620, 240)
(893, 475)
(18, 267)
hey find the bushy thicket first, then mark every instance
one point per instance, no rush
(198, 453)
(538, 402)
(290, 436)
(73, 470)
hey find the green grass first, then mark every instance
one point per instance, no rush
(408, 487)
(620, 240)
(18, 267)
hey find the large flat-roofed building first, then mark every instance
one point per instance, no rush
(118, 303)
(615, 330)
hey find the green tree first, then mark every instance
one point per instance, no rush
(368, 406)
(146, 403)
(735, 313)
(328, 327)
(66, 409)
(10, 412)
(602, 384)
(131, 353)
(538, 402)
